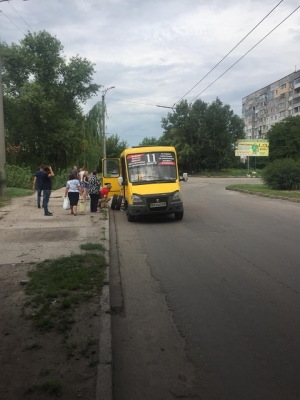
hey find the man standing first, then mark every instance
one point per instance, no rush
(37, 184)
(46, 187)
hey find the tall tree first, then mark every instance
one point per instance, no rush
(43, 93)
(284, 139)
(149, 141)
(115, 146)
(203, 134)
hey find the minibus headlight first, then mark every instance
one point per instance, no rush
(136, 199)
(177, 196)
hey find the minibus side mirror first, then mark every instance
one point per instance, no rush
(120, 181)
(184, 177)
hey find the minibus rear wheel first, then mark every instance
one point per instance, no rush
(119, 202)
(114, 201)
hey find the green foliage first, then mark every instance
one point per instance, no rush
(282, 174)
(19, 177)
(60, 178)
(151, 141)
(22, 177)
(42, 96)
(14, 192)
(115, 146)
(284, 139)
(58, 286)
(203, 134)
(1, 179)
(264, 190)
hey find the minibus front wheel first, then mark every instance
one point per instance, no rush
(130, 217)
(178, 215)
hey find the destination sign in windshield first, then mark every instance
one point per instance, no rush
(154, 166)
(145, 159)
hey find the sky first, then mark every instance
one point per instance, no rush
(154, 51)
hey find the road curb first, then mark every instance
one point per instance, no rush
(104, 370)
(271, 196)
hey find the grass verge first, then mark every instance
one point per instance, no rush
(293, 194)
(14, 192)
(57, 287)
(230, 172)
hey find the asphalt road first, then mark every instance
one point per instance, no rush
(219, 292)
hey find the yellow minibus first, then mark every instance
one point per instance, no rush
(145, 181)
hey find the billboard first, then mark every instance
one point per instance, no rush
(252, 148)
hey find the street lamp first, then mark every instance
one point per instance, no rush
(103, 121)
(158, 105)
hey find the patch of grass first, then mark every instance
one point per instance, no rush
(14, 192)
(70, 349)
(51, 387)
(92, 246)
(44, 372)
(57, 287)
(33, 346)
(103, 233)
(85, 346)
(230, 172)
(260, 188)
(93, 362)
(104, 213)
(31, 389)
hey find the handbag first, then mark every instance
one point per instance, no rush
(66, 203)
(81, 207)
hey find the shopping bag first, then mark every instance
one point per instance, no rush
(81, 206)
(66, 203)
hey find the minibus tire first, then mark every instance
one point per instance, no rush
(119, 202)
(114, 201)
(178, 215)
(130, 218)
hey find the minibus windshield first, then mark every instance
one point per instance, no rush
(152, 167)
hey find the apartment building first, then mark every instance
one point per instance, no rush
(270, 105)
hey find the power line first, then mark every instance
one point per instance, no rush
(19, 15)
(12, 22)
(154, 104)
(136, 98)
(229, 52)
(245, 54)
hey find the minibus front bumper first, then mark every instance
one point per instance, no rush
(156, 204)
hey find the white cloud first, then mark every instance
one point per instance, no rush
(153, 52)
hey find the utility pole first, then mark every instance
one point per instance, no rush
(103, 122)
(2, 134)
(2, 139)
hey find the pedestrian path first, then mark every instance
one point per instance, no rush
(26, 235)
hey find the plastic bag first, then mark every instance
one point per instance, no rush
(66, 203)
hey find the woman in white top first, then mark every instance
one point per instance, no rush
(73, 189)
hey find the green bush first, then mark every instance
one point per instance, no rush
(22, 177)
(19, 177)
(282, 174)
(60, 178)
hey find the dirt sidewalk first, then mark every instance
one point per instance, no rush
(36, 365)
